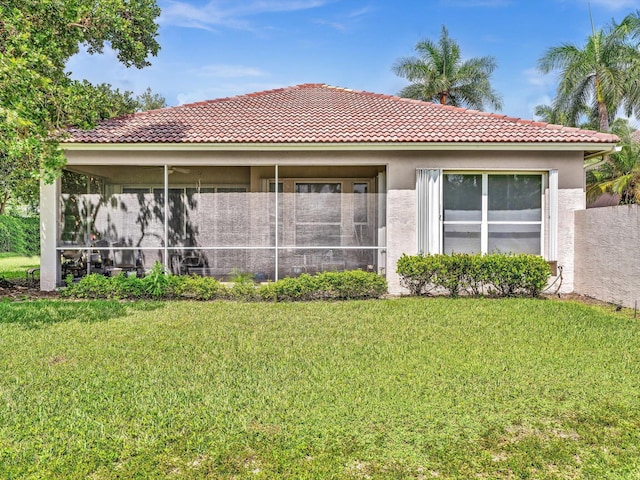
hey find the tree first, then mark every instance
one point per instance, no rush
(550, 114)
(38, 99)
(620, 173)
(150, 101)
(21, 155)
(595, 76)
(553, 114)
(439, 74)
(630, 26)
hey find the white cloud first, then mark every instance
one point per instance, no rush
(607, 4)
(347, 20)
(537, 78)
(228, 71)
(615, 4)
(227, 13)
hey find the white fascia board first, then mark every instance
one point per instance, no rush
(372, 146)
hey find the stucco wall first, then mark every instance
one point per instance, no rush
(569, 202)
(606, 254)
(401, 232)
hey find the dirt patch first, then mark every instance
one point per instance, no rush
(21, 289)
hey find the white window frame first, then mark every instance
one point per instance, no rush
(430, 209)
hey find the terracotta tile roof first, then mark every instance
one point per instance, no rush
(317, 113)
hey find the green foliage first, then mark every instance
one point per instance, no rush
(195, 287)
(238, 276)
(98, 286)
(150, 101)
(355, 284)
(494, 274)
(20, 235)
(157, 284)
(328, 285)
(417, 273)
(440, 75)
(38, 99)
(620, 173)
(514, 275)
(599, 77)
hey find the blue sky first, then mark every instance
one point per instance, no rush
(219, 48)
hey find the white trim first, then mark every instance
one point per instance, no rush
(422, 210)
(484, 222)
(165, 220)
(597, 148)
(434, 211)
(553, 215)
(428, 210)
(276, 215)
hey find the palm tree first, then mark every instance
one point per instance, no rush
(630, 26)
(594, 76)
(552, 114)
(620, 173)
(440, 75)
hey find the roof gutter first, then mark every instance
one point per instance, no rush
(603, 155)
(346, 146)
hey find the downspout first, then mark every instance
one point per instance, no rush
(604, 154)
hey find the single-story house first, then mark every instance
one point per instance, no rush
(312, 178)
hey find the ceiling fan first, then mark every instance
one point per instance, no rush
(173, 169)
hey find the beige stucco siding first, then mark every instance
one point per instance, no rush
(607, 263)
(569, 201)
(402, 168)
(401, 232)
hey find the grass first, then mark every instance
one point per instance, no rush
(15, 266)
(400, 388)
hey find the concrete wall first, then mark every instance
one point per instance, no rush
(606, 254)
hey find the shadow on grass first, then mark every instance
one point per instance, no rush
(40, 313)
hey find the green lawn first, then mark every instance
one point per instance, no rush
(16, 266)
(400, 388)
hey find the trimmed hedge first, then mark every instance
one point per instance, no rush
(494, 274)
(324, 286)
(20, 235)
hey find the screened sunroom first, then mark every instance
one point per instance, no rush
(221, 221)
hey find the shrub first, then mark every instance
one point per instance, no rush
(354, 284)
(304, 287)
(417, 272)
(452, 272)
(196, 287)
(99, 286)
(511, 275)
(497, 274)
(20, 235)
(157, 284)
(351, 284)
